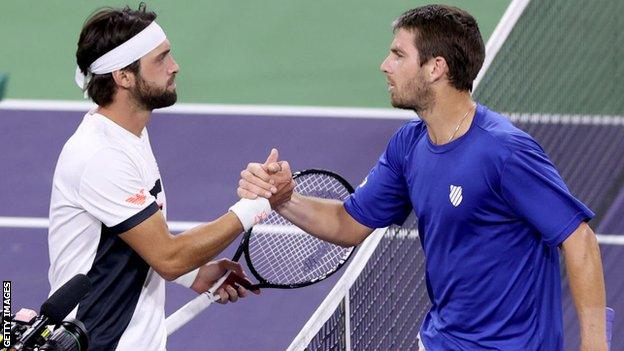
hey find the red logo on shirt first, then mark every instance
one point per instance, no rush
(137, 199)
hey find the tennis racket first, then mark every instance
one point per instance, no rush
(279, 254)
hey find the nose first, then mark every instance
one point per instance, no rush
(385, 67)
(175, 68)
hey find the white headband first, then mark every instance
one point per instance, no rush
(123, 55)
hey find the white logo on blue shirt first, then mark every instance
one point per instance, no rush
(456, 195)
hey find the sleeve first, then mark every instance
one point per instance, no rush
(383, 198)
(113, 191)
(533, 188)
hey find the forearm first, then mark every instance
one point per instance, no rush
(325, 219)
(199, 245)
(174, 255)
(584, 269)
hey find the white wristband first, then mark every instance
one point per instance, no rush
(250, 212)
(188, 278)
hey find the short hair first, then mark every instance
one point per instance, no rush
(448, 32)
(103, 31)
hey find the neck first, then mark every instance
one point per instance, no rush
(127, 114)
(450, 109)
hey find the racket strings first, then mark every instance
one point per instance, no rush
(284, 254)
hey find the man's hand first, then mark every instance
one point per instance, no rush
(212, 271)
(271, 179)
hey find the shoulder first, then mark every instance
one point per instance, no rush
(409, 133)
(80, 152)
(504, 137)
(404, 140)
(88, 139)
(87, 153)
(413, 127)
(111, 164)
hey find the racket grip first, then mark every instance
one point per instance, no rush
(194, 307)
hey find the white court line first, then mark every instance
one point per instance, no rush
(593, 120)
(610, 239)
(42, 223)
(222, 109)
(303, 111)
(180, 226)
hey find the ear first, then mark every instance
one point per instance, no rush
(437, 69)
(123, 78)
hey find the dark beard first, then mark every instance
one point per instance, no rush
(152, 98)
(413, 106)
(420, 99)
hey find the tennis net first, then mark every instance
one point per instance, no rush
(380, 300)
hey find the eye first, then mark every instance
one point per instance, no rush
(163, 56)
(397, 53)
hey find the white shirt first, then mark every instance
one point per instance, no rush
(106, 182)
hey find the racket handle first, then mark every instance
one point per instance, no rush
(194, 307)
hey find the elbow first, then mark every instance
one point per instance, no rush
(349, 232)
(353, 241)
(170, 267)
(349, 240)
(166, 272)
(169, 274)
(359, 240)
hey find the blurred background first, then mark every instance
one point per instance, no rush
(277, 52)
(303, 77)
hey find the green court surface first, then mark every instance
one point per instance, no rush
(324, 53)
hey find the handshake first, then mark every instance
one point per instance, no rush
(271, 180)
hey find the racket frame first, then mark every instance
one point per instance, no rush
(243, 248)
(191, 309)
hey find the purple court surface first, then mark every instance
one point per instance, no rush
(200, 157)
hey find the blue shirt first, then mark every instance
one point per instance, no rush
(491, 210)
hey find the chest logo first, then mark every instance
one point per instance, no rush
(456, 195)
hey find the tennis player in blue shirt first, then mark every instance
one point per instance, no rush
(493, 212)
